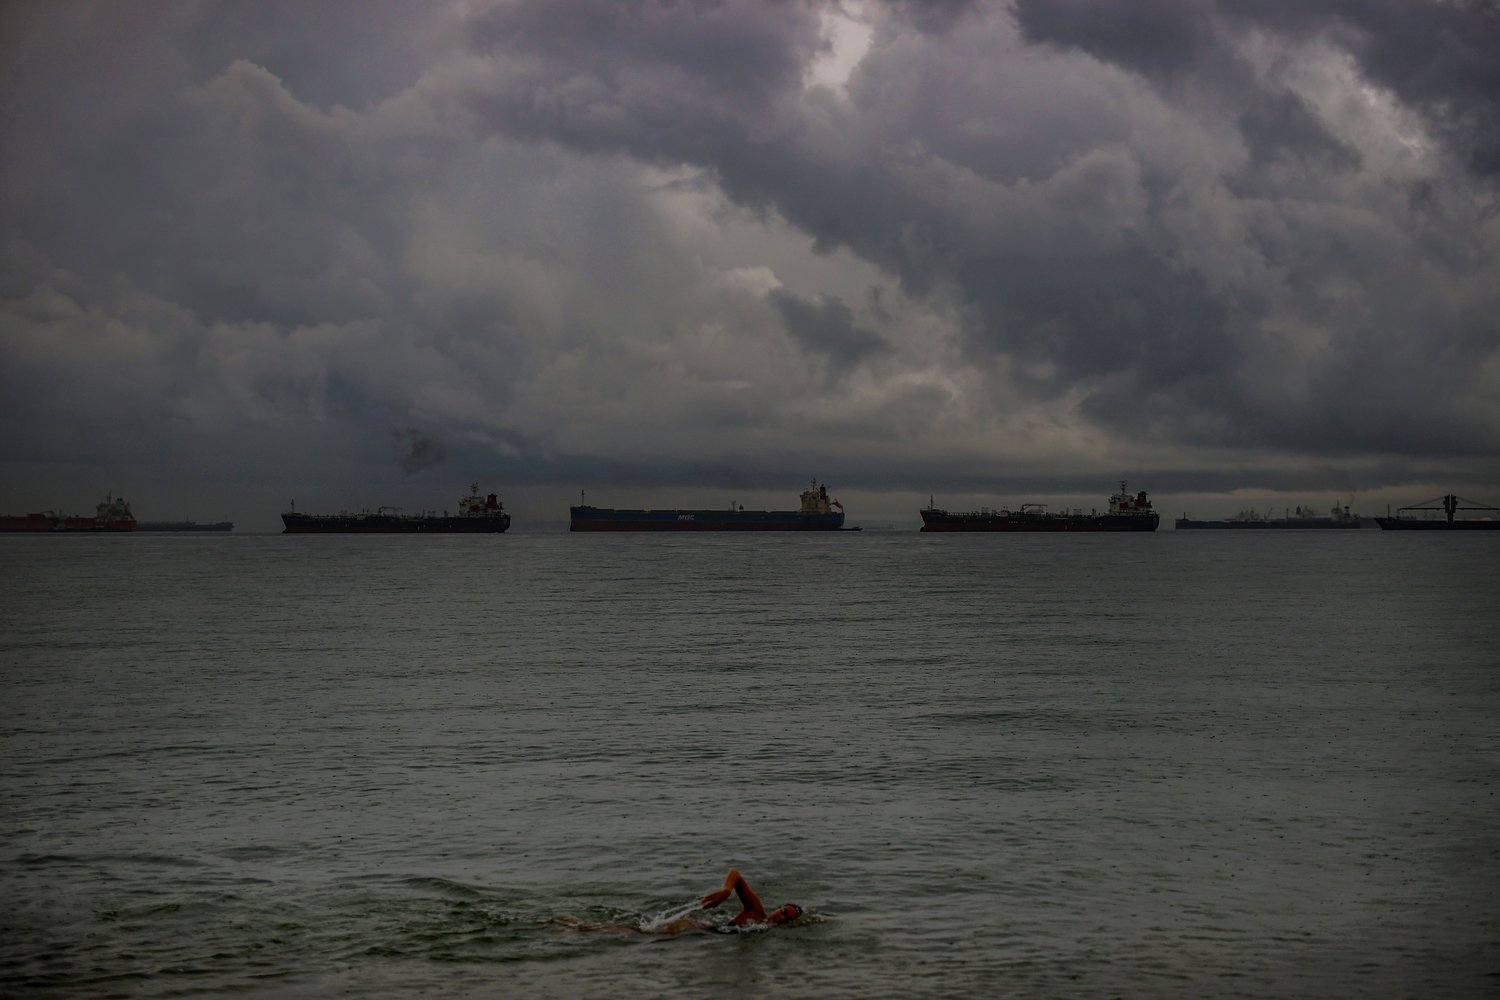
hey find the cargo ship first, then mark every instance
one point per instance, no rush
(184, 526)
(1449, 505)
(1126, 513)
(1296, 518)
(817, 513)
(111, 515)
(475, 514)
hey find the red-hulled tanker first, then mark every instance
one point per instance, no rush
(111, 515)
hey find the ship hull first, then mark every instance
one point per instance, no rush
(376, 524)
(1184, 524)
(1412, 524)
(35, 523)
(29, 522)
(607, 519)
(184, 526)
(941, 520)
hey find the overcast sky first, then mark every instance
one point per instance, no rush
(357, 253)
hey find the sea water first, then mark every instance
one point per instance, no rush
(1167, 765)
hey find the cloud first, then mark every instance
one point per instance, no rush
(415, 451)
(826, 327)
(660, 241)
(1441, 58)
(1152, 257)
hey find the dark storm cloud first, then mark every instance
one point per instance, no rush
(658, 77)
(416, 451)
(826, 327)
(350, 54)
(1078, 242)
(1439, 56)
(1187, 48)
(602, 241)
(935, 16)
(1164, 39)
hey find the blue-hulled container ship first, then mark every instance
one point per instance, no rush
(475, 514)
(817, 513)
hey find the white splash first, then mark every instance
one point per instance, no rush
(666, 917)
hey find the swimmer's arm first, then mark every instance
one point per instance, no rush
(719, 895)
(748, 899)
(735, 882)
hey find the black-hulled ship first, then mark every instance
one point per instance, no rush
(818, 512)
(1422, 516)
(1126, 512)
(475, 514)
(184, 526)
(1294, 519)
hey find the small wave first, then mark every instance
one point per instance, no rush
(446, 887)
(253, 852)
(90, 860)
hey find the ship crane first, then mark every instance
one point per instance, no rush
(1449, 504)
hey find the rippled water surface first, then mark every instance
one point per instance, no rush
(1175, 765)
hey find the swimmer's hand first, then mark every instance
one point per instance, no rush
(715, 898)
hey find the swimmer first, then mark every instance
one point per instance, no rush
(752, 913)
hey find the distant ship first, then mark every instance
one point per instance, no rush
(1449, 504)
(1303, 517)
(475, 514)
(1126, 513)
(817, 513)
(184, 526)
(111, 515)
